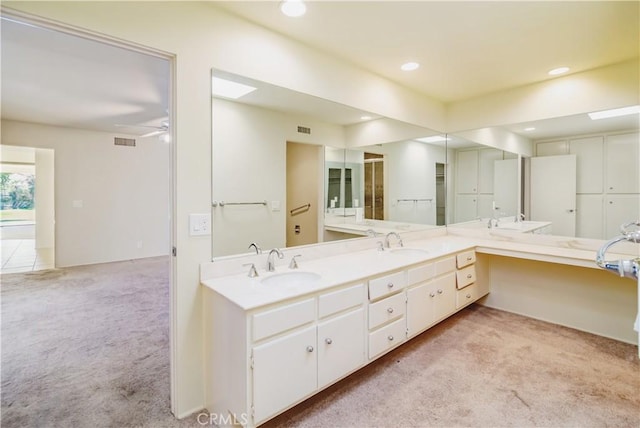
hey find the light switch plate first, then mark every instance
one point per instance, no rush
(275, 205)
(199, 224)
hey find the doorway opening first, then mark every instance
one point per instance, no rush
(373, 186)
(26, 209)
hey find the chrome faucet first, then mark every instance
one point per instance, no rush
(386, 239)
(493, 222)
(519, 218)
(256, 247)
(271, 266)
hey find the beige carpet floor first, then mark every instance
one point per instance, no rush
(89, 347)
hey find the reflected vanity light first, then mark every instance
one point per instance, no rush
(366, 117)
(293, 8)
(433, 139)
(531, 128)
(229, 89)
(624, 111)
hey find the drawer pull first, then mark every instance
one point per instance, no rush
(469, 258)
(468, 296)
(432, 294)
(390, 310)
(309, 348)
(390, 285)
(469, 276)
(328, 341)
(439, 291)
(390, 338)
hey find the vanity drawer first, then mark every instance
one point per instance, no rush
(387, 337)
(284, 318)
(386, 285)
(421, 273)
(386, 310)
(465, 276)
(466, 296)
(465, 259)
(445, 265)
(337, 301)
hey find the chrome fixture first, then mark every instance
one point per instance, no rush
(386, 239)
(493, 222)
(294, 264)
(519, 218)
(380, 246)
(371, 233)
(271, 266)
(624, 268)
(253, 272)
(256, 247)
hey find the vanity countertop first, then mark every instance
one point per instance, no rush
(354, 265)
(250, 293)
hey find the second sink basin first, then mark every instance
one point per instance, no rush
(288, 279)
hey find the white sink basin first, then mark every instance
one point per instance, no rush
(288, 279)
(408, 251)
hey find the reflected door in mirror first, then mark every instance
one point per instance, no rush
(374, 186)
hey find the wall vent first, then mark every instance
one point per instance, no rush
(304, 130)
(130, 142)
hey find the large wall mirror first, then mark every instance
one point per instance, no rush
(291, 169)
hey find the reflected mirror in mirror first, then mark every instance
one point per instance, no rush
(283, 160)
(579, 177)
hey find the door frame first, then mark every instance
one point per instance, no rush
(171, 59)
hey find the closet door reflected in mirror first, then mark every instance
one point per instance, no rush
(373, 186)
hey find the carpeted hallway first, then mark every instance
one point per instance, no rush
(89, 347)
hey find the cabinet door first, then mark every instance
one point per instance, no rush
(419, 308)
(341, 346)
(623, 153)
(486, 169)
(589, 164)
(589, 216)
(467, 172)
(284, 371)
(620, 209)
(444, 289)
(466, 208)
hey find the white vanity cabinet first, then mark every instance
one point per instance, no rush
(386, 313)
(431, 295)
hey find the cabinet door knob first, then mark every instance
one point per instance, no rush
(390, 338)
(469, 276)
(328, 341)
(468, 296)
(432, 294)
(309, 348)
(390, 285)
(439, 291)
(390, 310)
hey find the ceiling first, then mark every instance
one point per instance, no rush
(466, 49)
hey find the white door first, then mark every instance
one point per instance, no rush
(466, 208)
(505, 187)
(553, 192)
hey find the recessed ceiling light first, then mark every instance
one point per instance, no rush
(293, 8)
(559, 70)
(365, 117)
(531, 128)
(433, 139)
(409, 66)
(624, 111)
(228, 89)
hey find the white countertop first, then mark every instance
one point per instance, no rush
(250, 293)
(356, 263)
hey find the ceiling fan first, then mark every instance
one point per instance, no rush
(157, 130)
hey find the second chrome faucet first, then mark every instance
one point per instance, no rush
(271, 265)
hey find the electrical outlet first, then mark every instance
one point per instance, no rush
(199, 224)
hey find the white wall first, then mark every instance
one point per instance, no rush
(45, 198)
(108, 199)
